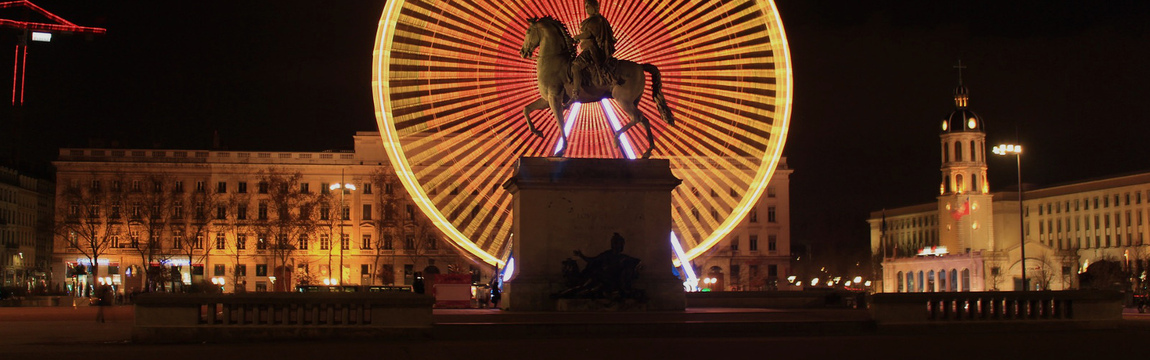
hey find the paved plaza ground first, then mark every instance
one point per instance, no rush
(72, 333)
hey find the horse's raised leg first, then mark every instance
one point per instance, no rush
(539, 104)
(557, 108)
(637, 117)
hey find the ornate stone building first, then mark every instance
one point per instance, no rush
(263, 221)
(25, 229)
(969, 239)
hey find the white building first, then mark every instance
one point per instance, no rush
(213, 215)
(25, 240)
(969, 239)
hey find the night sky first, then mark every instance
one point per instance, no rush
(1067, 79)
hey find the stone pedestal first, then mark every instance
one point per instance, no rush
(567, 204)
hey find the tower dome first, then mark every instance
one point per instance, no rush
(961, 119)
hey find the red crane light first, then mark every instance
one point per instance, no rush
(58, 24)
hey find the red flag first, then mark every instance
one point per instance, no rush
(963, 210)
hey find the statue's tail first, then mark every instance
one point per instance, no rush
(657, 93)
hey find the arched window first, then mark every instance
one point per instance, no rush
(966, 279)
(945, 153)
(957, 151)
(920, 281)
(973, 152)
(910, 281)
(974, 182)
(958, 184)
(947, 185)
(942, 280)
(930, 281)
(954, 281)
(900, 282)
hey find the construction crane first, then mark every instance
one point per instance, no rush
(39, 31)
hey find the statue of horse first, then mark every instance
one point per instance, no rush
(553, 64)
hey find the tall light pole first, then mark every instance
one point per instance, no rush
(1016, 150)
(343, 188)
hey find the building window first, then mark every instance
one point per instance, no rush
(365, 242)
(753, 243)
(303, 242)
(304, 188)
(221, 212)
(261, 241)
(772, 242)
(409, 242)
(241, 270)
(323, 188)
(262, 211)
(770, 191)
(770, 214)
(753, 216)
(387, 243)
(367, 188)
(200, 186)
(218, 270)
(220, 241)
(261, 269)
(324, 242)
(263, 187)
(178, 239)
(241, 241)
(957, 153)
(432, 244)
(242, 212)
(772, 270)
(900, 281)
(735, 243)
(221, 187)
(345, 213)
(345, 241)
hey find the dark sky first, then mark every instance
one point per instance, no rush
(1067, 79)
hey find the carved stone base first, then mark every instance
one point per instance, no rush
(566, 204)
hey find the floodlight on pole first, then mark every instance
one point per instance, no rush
(1016, 150)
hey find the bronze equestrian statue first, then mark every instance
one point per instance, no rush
(561, 74)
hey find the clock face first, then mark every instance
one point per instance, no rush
(450, 88)
(944, 125)
(971, 123)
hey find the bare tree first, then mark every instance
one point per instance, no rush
(281, 194)
(191, 224)
(386, 224)
(150, 215)
(86, 222)
(1045, 273)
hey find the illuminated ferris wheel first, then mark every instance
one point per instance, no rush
(450, 88)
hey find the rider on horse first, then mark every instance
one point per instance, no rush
(598, 44)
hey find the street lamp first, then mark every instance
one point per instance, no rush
(1016, 150)
(343, 188)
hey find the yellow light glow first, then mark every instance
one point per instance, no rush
(449, 96)
(971, 123)
(944, 125)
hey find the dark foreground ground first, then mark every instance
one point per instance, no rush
(71, 333)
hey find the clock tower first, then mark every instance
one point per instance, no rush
(964, 201)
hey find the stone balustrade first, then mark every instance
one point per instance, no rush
(996, 306)
(238, 317)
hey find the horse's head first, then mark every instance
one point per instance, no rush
(546, 30)
(531, 39)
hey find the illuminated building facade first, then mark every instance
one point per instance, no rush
(969, 239)
(25, 240)
(256, 221)
(215, 217)
(756, 255)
